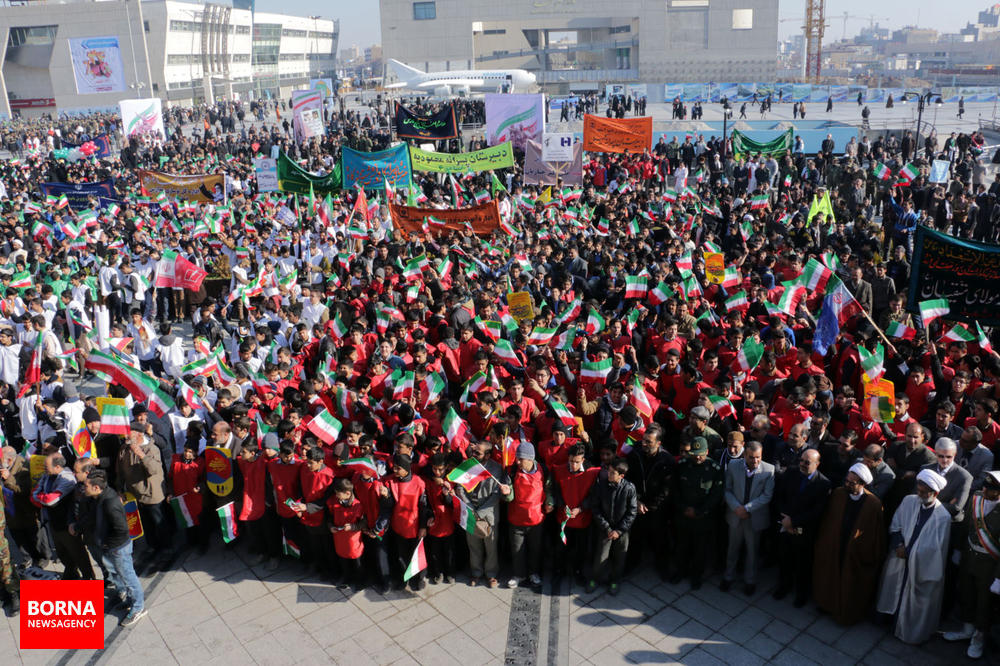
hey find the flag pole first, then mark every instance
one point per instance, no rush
(880, 332)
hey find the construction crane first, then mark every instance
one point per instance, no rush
(814, 28)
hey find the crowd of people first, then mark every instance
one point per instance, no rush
(371, 402)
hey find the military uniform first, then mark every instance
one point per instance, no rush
(8, 576)
(699, 487)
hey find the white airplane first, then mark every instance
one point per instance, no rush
(460, 82)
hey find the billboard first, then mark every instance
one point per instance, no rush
(514, 118)
(142, 116)
(97, 65)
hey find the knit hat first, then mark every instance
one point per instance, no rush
(402, 460)
(525, 451)
(91, 415)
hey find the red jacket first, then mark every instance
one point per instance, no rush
(347, 543)
(254, 487)
(314, 489)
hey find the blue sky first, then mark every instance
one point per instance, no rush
(359, 20)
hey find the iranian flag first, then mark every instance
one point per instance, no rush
(454, 427)
(325, 426)
(958, 333)
(469, 474)
(572, 311)
(491, 329)
(640, 400)
(342, 402)
(659, 294)
(174, 270)
(33, 374)
(21, 280)
(565, 340)
(114, 418)
(433, 387)
(404, 386)
(338, 327)
(896, 329)
(227, 519)
(872, 363)
(160, 403)
(471, 387)
(541, 336)
(881, 171)
(908, 173)
(138, 385)
(367, 463)
(731, 277)
(562, 411)
(843, 303)
(464, 515)
(184, 511)
(750, 355)
(595, 322)
(445, 267)
(815, 275)
(417, 563)
(759, 201)
(722, 406)
(596, 371)
(932, 309)
(982, 340)
(190, 395)
(790, 297)
(737, 301)
(505, 350)
(635, 286)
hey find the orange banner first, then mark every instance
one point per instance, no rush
(608, 135)
(484, 219)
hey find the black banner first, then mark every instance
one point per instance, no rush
(967, 273)
(441, 125)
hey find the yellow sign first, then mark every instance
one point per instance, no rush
(104, 401)
(219, 470)
(36, 468)
(880, 388)
(715, 267)
(520, 305)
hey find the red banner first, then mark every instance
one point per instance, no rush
(484, 219)
(610, 135)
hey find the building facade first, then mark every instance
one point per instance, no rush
(579, 44)
(183, 53)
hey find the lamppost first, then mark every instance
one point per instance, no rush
(923, 99)
(727, 113)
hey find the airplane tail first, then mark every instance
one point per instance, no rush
(402, 71)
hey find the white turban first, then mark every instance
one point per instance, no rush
(862, 471)
(932, 480)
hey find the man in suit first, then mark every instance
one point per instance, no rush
(749, 489)
(861, 288)
(802, 497)
(956, 493)
(975, 458)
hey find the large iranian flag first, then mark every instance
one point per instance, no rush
(597, 370)
(325, 426)
(453, 426)
(815, 275)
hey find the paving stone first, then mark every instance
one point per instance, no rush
(685, 638)
(764, 647)
(433, 653)
(859, 640)
(254, 620)
(662, 624)
(734, 653)
(789, 657)
(697, 609)
(821, 652)
(740, 628)
(699, 657)
(422, 634)
(627, 649)
(826, 630)
(782, 632)
(590, 639)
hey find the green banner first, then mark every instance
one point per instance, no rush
(293, 178)
(743, 145)
(500, 156)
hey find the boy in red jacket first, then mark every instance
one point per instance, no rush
(347, 519)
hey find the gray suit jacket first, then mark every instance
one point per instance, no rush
(882, 479)
(958, 488)
(761, 492)
(976, 463)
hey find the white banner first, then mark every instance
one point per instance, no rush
(97, 65)
(307, 114)
(142, 116)
(514, 118)
(267, 174)
(557, 147)
(939, 171)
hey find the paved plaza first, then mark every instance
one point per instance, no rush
(215, 609)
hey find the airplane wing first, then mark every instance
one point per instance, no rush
(450, 82)
(396, 85)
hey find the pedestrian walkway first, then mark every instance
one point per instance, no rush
(216, 609)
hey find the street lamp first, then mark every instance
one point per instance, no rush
(727, 113)
(923, 99)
